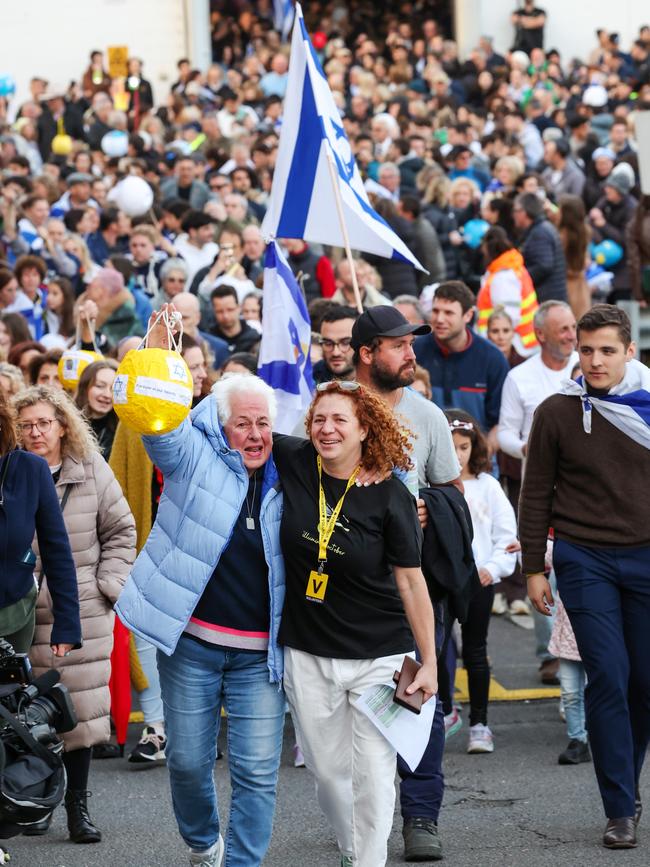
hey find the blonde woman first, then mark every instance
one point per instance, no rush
(101, 531)
(11, 379)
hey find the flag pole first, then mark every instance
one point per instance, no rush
(344, 231)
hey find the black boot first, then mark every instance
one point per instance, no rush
(80, 826)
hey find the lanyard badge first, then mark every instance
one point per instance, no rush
(317, 582)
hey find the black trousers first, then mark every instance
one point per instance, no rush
(475, 660)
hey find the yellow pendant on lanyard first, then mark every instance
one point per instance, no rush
(317, 582)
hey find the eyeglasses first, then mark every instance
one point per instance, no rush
(326, 343)
(342, 384)
(43, 425)
(457, 424)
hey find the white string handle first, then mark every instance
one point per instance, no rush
(171, 323)
(91, 327)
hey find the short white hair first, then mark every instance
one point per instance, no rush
(241, 383)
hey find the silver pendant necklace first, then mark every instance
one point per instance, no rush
(250, 520)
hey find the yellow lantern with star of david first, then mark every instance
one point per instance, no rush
(152, 391)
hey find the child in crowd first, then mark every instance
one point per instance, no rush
(495, 528)
(572, 686)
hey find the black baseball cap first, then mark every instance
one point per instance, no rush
(382, 321)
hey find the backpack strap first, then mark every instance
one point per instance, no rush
(38, 749)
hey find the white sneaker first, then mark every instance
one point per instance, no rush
(519, 607)
(480, 740)
(210, 858)
(499, 604)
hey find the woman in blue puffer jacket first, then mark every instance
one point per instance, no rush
(215, 624)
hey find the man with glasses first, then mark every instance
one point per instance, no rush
(335, 341)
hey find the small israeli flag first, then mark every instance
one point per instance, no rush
(284, 361)
(283, 12)
(626, 406)
(302, 203)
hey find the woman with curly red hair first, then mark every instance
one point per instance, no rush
(356, 602)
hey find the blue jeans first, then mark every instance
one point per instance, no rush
(606, 593)
(195, 681)
(572, 686)
(150, 701)
(421, 791)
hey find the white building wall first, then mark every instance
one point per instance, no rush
(53, 38)
(570, 24)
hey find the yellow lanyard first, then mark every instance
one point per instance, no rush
(326, 526)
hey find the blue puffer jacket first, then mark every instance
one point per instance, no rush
(205, 486)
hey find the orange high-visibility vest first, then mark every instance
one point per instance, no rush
(510, 260)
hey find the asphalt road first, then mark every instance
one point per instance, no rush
(514, 808)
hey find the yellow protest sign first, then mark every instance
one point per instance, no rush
(118, 57)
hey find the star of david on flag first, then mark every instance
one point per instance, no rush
(302, 203)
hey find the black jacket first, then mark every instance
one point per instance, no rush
(398, 276)
(447, 559)
(47, 127)
(543, 255)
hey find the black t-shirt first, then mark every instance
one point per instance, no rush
(529, 38)
(361, 615)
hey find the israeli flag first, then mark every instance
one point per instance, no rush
(284, 361)
(626, 406)
(302, 203)
(283, 12)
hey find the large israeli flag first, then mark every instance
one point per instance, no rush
(302, 203)
(286, 340)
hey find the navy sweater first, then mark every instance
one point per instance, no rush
(31, 506)
(471, 380)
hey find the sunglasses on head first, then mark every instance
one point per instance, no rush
(457, 424)
(343, 384)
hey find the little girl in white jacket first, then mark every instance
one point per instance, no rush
(495, 528)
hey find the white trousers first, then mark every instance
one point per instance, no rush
(353, 764)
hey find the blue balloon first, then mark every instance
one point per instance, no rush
(7, 85)
(474, 231)
(607, 253)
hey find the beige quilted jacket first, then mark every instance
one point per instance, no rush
(102, 537)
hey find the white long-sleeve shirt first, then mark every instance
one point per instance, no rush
(494, 523)
(525, 387)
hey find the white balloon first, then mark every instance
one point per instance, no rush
(134, 196)
(115, 143)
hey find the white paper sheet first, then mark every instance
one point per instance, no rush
(404, 730)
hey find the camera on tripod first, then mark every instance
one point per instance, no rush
(33, 712)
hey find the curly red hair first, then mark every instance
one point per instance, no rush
(386, 445)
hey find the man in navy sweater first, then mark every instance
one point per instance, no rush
(467, 372)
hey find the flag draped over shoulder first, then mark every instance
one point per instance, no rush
(302, 203)
(626, 406)
(284, 361)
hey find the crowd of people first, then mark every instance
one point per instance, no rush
(498, 386)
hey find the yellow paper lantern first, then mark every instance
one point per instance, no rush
(152, 392)
(72, 364)
(62, 145)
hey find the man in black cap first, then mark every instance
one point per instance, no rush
(382, 339)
